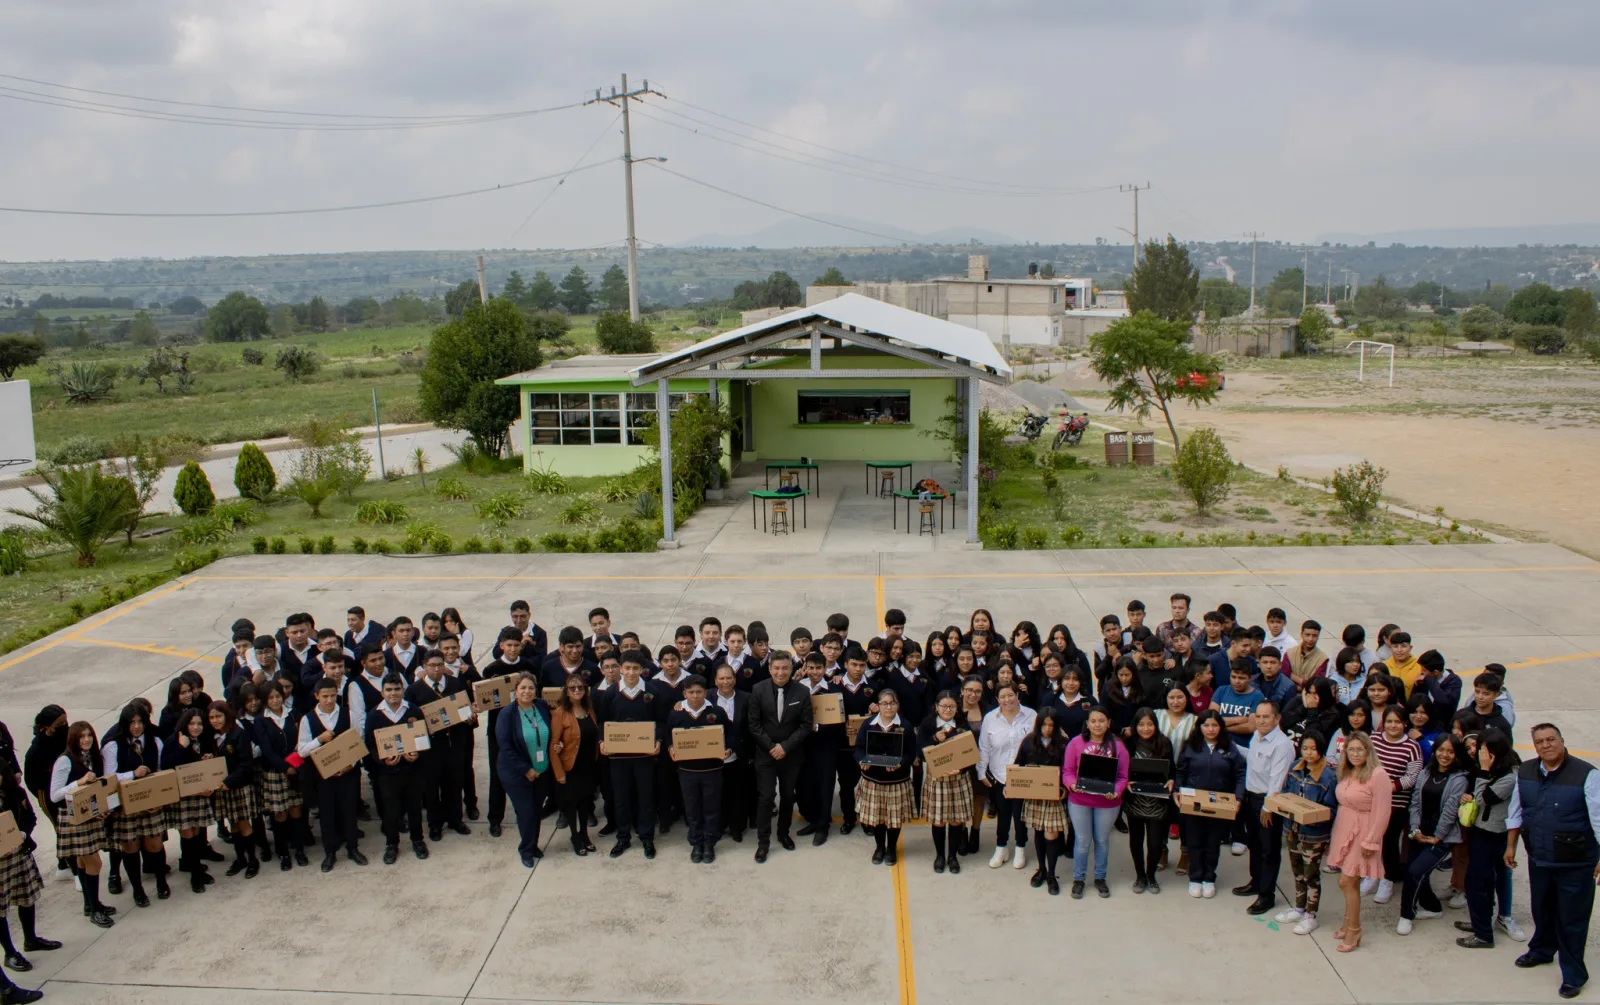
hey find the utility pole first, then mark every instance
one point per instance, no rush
(1254, 236)
(483, 289)
(1305, 263)
(1327, 292)
(1135, 190)
(622, 99)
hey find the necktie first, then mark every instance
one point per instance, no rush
(780, 703)
(138, 749)
(438, 686)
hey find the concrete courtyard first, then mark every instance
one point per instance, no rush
(814, 925)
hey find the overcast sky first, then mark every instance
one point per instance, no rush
(1291, 118)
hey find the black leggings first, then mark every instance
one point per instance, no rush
(1009, 811)
(1147, 839)
(1394, 863)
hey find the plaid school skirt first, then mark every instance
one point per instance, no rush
(124, 827)
(1044, 814)
(947, 800)
(278, 794)
(73, 840)
(20, 884)
(236, 804)
(887, 804)
(190, 813)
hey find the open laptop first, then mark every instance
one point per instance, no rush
(884, 750)
(1147, 776)
(1097, 774)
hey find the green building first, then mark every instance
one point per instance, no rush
(849, 379)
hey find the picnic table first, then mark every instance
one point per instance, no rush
(908, 497)
(809, 467)
(767, 496)
(897, 466)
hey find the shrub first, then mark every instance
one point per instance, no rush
(1035, 538)
(1541, 340)
(238, 513)
(381, 547)
(1071, 535)
(77, 450)
(327, 545)
(297, 362)
(1359, 489)
(258, 544)
(253, 475)
(501, 507)
(615, 332)
(279, 546)
(384, 511)
(553, 541)
(1004, 535)
(252, 357)
(13, 557)
(419, 535)
(358, 545)
(647, 506)
(442, 545)
(192, 491)
(579, 510)
(308, 546)
(1023, 456)
(1203, 469)
(522, 545)
(472, 545)
(85, 383)
(451, 488)
(615, 490)
(543, 481)
(311, 489)
(205, 530)
(1050, 480)
(496, 545)
(474, 460)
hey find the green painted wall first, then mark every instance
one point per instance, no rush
(779, 435)
(596, 458)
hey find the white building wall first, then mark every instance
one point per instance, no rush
(1012, 330)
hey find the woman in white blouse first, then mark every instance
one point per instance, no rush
(1004, 729)
(1176, 722)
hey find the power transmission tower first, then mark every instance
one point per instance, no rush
(1135, 189)
(1254, 235)
(622, 99)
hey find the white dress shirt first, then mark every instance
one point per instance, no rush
(308, 736)
(999, 740)
(108, 757)
(1267, 762)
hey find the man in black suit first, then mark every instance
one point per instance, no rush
(780, 723)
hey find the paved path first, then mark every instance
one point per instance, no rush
(471, 925)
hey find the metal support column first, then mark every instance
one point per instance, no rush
(664, 424)
(973, 399)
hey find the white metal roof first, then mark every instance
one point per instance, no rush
(921, 331)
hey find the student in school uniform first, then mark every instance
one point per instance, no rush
(947, 799)
(859, 695)
(337, 794)
(78, 765)
(180, 697)
(275, 734)
(1209, 760)
(297, 649)
(633, 776)
(738, 780)
(360, 631)
(241, 659)
(524, 762)
(709, 645)
(568, 659)
(700, 778)
(883, 796)
(458, 664)
(49, 742)
(817, 774)
(510, 660)
(399, 778)
(402, 656)
(192, 814)
(234, 800)
(667, 685)
(739, 656)
(135, 753)
(20, 887)
(600, 625)
(443, 766)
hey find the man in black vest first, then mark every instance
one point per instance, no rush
(780, 723)
(1555, 808)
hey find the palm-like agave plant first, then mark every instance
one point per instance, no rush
(83, 383)
(85, 506)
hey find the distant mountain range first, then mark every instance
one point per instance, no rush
(797, 233)
(1582, 234)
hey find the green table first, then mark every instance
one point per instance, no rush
(809, 467)
(767, 496)
(908, 496)
(897, 466)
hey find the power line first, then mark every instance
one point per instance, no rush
(557, 187)
(780, 209)
(305, 212)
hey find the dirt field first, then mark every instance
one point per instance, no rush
(1509, 444)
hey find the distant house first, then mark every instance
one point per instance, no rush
(1252, 333)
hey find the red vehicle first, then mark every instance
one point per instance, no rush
(1197, 379)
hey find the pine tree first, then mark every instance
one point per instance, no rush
(253, 475)
(192, 491)
(576, 296)
(614, 289)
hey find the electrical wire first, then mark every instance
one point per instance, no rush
(305, 212)
(780, 209)
(557, 186)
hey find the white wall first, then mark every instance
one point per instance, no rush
(1014, 329)
(16, 428)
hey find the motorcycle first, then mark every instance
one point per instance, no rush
(1032, 425)
(1070, 432)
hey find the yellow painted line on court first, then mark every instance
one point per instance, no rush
(74, 636)
(902, 907)
(189, 654)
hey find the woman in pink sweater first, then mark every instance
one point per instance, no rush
(1357, 844)
(1092, 814)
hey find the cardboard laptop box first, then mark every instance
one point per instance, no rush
(10, 836)
(93, 801)
(402, 738)
(954, 754)
(451, 710)
(1039, 781)
(344, 751)
(1298, 808)
(153, 791)
(827, 709)
(699, 744)
(496, 692)
(630, 737)
(201, 777)
(1206, 803)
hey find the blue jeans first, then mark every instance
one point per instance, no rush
(1091, 823)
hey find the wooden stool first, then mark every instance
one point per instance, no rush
(780, 517)
(886, 482)
(787, 479)
(926, 522)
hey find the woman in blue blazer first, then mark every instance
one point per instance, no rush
(523, 762)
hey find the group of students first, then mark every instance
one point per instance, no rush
(1373, 735)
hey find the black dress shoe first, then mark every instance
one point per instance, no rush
(588, 845)
(100, 918)
(39, 945)
(820, 838)
(141, 899)
(437, 833)
(419, 849)
(1053, 885)
(622, 845)
(460, 828)
(694, 856)
(737, 836)
(391, 854)
(877, 856)
(1464, 926)
(285, 864)
(472, 813)
(953, 864)
(761, 852)
(1259, 906)
(103, 908)
(18, 963)
(709, 855)
(1569, 990)
(237, 867)
(327, 862)
(300, 857)
(847, 827)
(20, 996)
(649, 847)
(1245, 890)
(807, 830)
(495, 829)
(210, 854)
(890, 858)
(664, 826)
(355, 856)
(579, 850)
(163, 888)
(786, 842)
(606, 831)
(1473, 942)
(938, 864)
(1037, 879)
(114, 884)
(1527, 960)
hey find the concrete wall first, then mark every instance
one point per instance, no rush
(1267, 338)
(779, 436)
(924, 298)
(1007, 330)
(1076, 328)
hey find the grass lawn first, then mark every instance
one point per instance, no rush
(54, 592)
(1095, 506)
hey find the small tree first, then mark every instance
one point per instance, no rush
(164, 366)
(18, 351)
(576, 295)
(1315, 328)
(296, 362)
(1149, 365)
(1358, 489)
(253, 475)
(238, 317)
(1165, 282)
(614, 289)
(833, 277)
(1541, 340)
(1483, 324)
(616, 333)
(465, 358)
(1203, 469)
(192, 491)
(85, 506)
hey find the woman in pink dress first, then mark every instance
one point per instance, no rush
(1357, 845)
